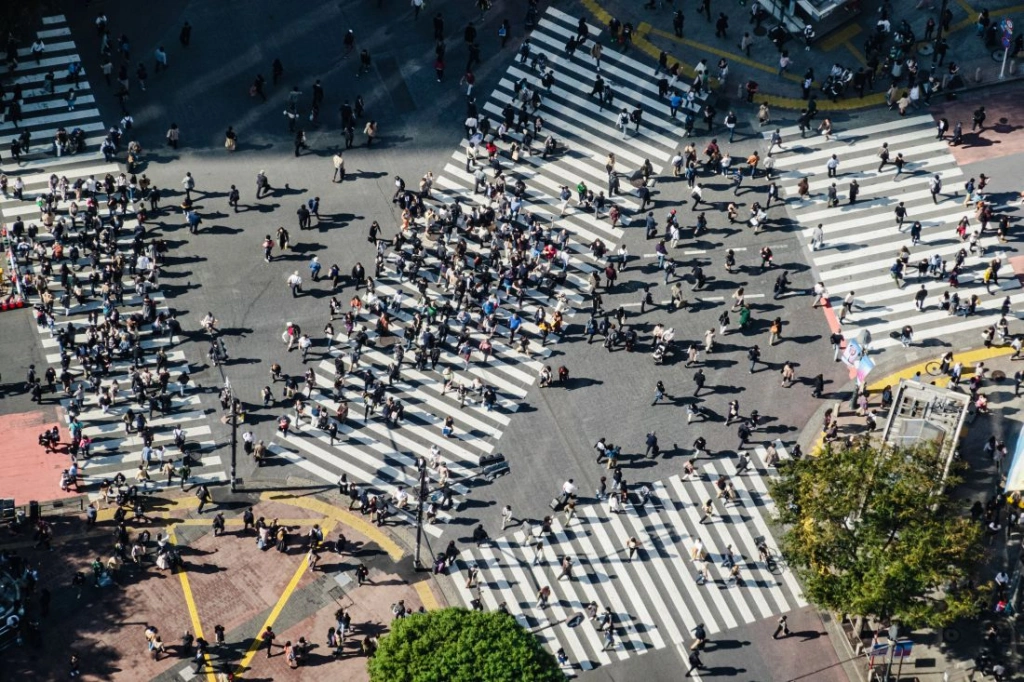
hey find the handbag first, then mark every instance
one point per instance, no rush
(229, 144)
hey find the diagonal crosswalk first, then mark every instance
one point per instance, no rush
(383, 455)
(112, 448)
(862, 240)
(655, 597)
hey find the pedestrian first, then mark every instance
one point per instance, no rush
(832, 165)
(708, 511)
(694, 657)
(268, 640)
(632, 545)
(935, 187)
(173, 135)
(566, 568)
(506, 516)
(339, 167)
(781, 628)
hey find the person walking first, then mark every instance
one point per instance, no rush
(919, 298)
(632, 545)
(781, 628)
(506, 516)
(935, 187)
(832, 165)
(694, 657)
(339, 167)
(566, 569)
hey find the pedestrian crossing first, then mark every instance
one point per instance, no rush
(655, 598)
(384, 456)
(862, 240)
(112, 448)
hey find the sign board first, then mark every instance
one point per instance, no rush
(851, 354)
(864, 368)
(902, 648)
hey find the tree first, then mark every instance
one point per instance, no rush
(457, 645)
(873, 531)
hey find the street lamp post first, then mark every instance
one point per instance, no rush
(419, 512)
(234, 442)
(938, 36)
(232, 417)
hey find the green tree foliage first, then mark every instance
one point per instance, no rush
(874, 531)
(457, 645)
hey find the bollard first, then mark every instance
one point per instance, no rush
(977, 75)
(1013, 67)
(739, 91)
(945, 81)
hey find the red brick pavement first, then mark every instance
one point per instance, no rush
(232, 582)
(1004, 126)
(27, 472)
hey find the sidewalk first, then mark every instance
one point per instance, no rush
(226, 581)
(654, 33)
(954, 649)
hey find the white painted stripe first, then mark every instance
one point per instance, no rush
(552, 555)
(501, 555)
(328, 477)
(866, 131)
(614, 557)
(663, 576)
(64, 117)
(50, 48)
(681, 527)
(46, 63)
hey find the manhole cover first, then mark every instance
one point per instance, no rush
(760, 31)
(997, 56)
(926, 49)
(950, 635)
(998, 375)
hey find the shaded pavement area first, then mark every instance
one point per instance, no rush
(224, 581)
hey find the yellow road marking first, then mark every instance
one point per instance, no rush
(837, 38)
(971, 12)
(341, 516)
(597, 11)
(968, 359)
(776, 102)
(190, 602)
(427, 597)
(734, 57)
(857, 54)
(278, 607)
(240, 522)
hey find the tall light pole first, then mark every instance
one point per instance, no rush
(938, 36)
(419, 512)
(234, 413)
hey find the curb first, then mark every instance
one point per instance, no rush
(810, 438)
(641, 42)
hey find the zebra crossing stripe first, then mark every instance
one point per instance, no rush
(616, 562)
(583, 582)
